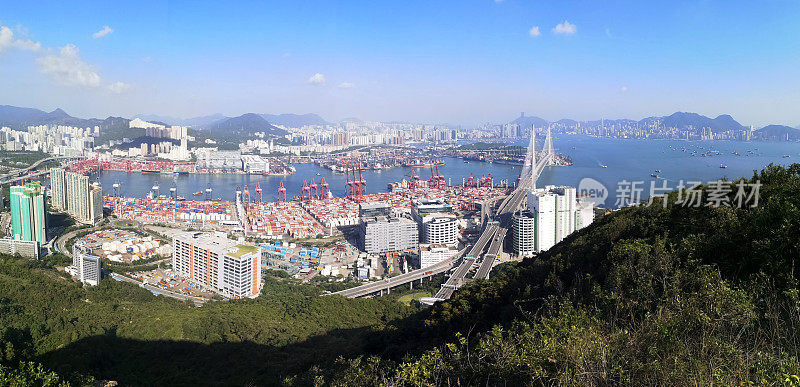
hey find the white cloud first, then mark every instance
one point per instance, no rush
(623, 89)
(347, 85)
(105, 31)
(119, 87)
(565, 28)
(317, 79)
(68, 68)
(7, 42)
(534, 31)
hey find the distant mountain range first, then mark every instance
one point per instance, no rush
(680, 120)
(19, 117)
(206, 122)
(778, 132)
(246, 124)
(528, 121)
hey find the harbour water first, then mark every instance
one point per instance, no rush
(604, 159)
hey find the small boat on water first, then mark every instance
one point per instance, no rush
(198, 193)
(723, 166)
(658, 171)
(603, 166)
(654, 175)
(786, 156)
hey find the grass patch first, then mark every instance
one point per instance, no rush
(413, 296)
(242, 250)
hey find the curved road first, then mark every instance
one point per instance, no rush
(402, 279)
(16, 172)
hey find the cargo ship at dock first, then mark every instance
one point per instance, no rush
(508, 162)
(155, 172)
(424, 165)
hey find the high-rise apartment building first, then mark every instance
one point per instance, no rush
(340, 139)
(523, 227)
(217, 262)
(88, 268)
(555, 213)
(28, 212)
(436, 221)
(58, 188)
(84, 200)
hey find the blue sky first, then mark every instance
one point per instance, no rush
(462, 62)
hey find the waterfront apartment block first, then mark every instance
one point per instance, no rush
(213, 260)
(84, 200)
(28, 212)
(58, 188)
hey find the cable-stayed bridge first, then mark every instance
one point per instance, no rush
(493, 234)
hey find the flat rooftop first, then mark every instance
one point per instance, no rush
(243, 250)
(217, 243)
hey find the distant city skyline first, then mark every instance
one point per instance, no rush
(445, 62)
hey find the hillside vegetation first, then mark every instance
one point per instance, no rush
(117, 331)
(644, 296)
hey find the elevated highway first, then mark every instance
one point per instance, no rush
(497, 230)
(493, 235)
(402, 279)
(21, 174)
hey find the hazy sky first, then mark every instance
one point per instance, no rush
(463, 62)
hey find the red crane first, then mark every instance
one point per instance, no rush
(281, 192)
(487, 181)
(470, 180)
(362, 183)
(323, 188)
(413, 181)
(246, 194)
(349, 188)
(306, 190)
(314, 191)
(437, 179)
(433, 182)
(259, 193)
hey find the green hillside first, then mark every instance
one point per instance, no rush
(118, 331)
(644, 296)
